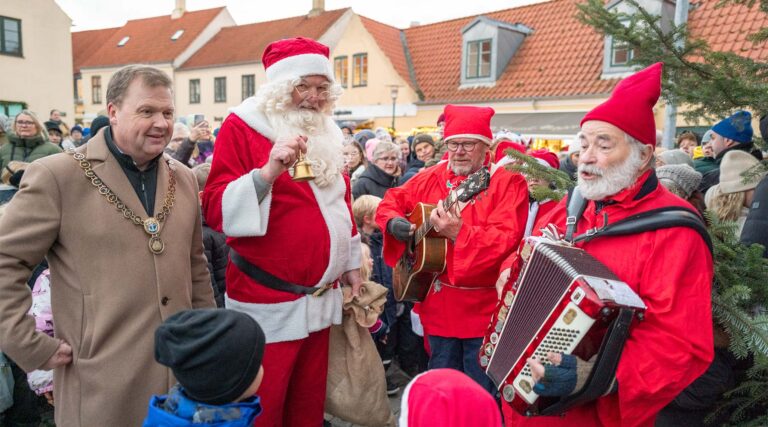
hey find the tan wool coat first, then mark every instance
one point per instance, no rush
(108, 291)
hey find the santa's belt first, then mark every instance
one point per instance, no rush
(274, 282)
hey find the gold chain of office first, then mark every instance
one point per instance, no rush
(151, 225)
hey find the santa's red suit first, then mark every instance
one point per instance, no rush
(299, 232)
(493, 225)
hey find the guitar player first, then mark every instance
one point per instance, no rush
(481, 233)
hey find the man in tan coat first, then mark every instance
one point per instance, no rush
(119, 223)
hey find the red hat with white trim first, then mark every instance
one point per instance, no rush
(294, 58)
(464, 121)
(447, 398)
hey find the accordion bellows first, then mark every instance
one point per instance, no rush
(562, 301)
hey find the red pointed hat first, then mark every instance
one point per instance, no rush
(463, 121)
(294, 58)
(630, 107)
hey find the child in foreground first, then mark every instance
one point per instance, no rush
(215, 354)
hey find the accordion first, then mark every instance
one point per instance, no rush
(563, 301)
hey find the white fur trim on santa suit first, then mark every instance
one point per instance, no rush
(297, 66)
(249, 112)
(293, 320)
(242, 214)
(335, 212)
(355, 253)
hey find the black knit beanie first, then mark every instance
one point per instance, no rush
(215, 354)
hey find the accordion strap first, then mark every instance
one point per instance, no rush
(601, 379)
(576, 206)
(666, 217)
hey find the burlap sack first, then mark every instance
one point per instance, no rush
(357, 389)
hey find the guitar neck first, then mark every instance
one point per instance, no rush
(427, 226)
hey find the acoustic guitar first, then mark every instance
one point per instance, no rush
(424, 258)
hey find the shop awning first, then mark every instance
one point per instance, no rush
(539, 123)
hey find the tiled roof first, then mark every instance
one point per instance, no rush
(246, 43)
(388, 39)
(726, 28)
(85, 43)
(562, 57)
(150, 39)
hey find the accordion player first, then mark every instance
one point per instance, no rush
(566, 301)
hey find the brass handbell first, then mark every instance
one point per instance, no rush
(302, 170)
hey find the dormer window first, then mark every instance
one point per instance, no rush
(479, 59)
(123, 41)
(177, 35)
(618, 55)
(621, 53)
(487, 47)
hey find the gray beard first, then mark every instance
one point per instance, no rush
(612, 180)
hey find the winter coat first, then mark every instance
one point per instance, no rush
(217, 254)
(177, 410)
(373, 181)
(109, 292)
(665, 352)
(26, 149)
(382, 274)
(756, 225)
(414, 166)
(493, 224)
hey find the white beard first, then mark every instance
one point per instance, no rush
(324, 143)
(612, 180)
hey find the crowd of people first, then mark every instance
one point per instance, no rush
(156, 271)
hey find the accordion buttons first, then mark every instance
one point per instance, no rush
(488, 349)
(508, 392)
(508, 298)
(483, 361)
(499, 326)
(494, 338)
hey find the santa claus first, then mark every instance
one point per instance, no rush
(292, 242)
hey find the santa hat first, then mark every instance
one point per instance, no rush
(630, 107)
(462, 121)
(549, 158)
(447, 398)
(290, 59)
(503, 146)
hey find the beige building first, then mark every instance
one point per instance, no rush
(35, 59)
(163, 41)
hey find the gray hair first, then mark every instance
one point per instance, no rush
(385, 147)
(123, 78)
(635, 144)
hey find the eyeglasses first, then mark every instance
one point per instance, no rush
(467, 146)
(352, 154)
(305, 91)
(24, 123)
(387, 159)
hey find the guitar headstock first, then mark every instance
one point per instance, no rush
(473, 185)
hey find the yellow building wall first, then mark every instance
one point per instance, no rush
(214, 112)
(42, 76)
(374, 98)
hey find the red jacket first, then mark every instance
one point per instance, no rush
(671, 270)
(492, 229)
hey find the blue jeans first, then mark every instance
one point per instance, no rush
(460, 354)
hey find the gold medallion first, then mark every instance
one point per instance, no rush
(156, 245)
(151, 225)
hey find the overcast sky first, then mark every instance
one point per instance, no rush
(93, 14)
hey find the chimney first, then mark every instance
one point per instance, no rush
(318, 7)
(178, 12)
(415, 24)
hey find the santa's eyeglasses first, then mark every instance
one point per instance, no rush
(305, 91)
